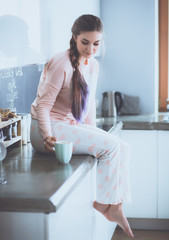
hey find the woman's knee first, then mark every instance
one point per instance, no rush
(36, 139)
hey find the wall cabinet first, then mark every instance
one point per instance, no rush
(149, 173)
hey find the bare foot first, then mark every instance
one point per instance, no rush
(114, 213)
(101, 207)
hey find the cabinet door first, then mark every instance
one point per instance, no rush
(143, 173)
(73, 219)
(163, 171)
(22, 226)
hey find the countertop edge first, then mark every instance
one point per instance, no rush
(53, 203)
(26, 205)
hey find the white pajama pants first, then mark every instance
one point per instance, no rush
(112, 153)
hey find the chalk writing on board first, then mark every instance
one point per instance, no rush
(7, 73)
(18, 87)
(18, 72)
(11, 72)
(12, 94)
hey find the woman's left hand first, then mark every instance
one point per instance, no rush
(49, 143)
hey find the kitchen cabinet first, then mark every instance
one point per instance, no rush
(53, 201)
(149, 166)
(163, 174)
(143, 173)
(148, 137)
(73, 220)
(85, 222)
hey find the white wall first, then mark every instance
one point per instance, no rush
(130, 26)
(20, 39)
(57, 18)
(129, 62)
(33, 31)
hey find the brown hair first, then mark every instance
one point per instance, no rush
(84, 23)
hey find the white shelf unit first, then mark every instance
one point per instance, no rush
(18, 139)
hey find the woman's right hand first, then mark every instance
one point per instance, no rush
(49, 143)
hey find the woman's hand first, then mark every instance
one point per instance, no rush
(49, 143)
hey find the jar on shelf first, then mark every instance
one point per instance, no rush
(24, 129)
(7, 132)
(28, 121)
(14, 129)
(1, 135)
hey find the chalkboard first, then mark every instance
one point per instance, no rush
(18, 87)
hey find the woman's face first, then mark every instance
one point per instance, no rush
(88, 43)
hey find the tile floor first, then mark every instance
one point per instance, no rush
(141, 235)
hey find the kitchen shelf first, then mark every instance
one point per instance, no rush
(12, 141)
(15, 140)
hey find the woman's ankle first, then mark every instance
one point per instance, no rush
(101, 207)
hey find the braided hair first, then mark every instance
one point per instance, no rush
(85, 23)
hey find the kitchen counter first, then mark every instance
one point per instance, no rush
(42, 198)
(37, 182)
(47, 197)
(136, 122)
(41, 191)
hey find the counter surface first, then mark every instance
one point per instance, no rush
(37, 182)
(137, 122)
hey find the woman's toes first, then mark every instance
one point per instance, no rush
(130, 233)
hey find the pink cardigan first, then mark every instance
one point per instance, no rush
(53, 101)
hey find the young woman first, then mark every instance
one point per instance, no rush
(64, 109)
